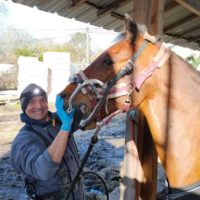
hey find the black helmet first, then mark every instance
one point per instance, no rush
(29, 92)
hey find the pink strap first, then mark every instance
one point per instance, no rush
(153, 66)
(108, 119)
(145, 74)
(126, 107)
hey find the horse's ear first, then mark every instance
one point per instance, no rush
(131, 29)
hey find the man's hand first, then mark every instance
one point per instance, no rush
(66, 118)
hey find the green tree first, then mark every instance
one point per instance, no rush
(79, 47)
(194, 60)
(79, 40)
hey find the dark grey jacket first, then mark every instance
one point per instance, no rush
(30, 157)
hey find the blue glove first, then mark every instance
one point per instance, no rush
(66, 118)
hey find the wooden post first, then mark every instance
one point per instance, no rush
(148, 158)
(131, 171)
(139, 173)
(149, 13)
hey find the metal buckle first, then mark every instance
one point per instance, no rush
(75, 79)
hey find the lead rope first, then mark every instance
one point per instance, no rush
(93, 141)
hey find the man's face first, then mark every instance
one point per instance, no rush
(37, 108)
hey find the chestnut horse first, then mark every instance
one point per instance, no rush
(162, 85)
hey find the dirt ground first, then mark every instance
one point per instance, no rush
(11, 185)
(9, 125)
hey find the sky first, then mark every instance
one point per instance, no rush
(41, 24)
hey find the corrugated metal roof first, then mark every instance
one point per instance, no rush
(181, 25)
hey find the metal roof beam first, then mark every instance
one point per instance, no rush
(30, 3)
(44, 5)
(75, 2)
(111, 6)
(117, 16)
(170, 5)
(93, 5)
(179, 23)
(188, 31)
(191, 5)
(180, 36)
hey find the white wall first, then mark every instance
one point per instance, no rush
(6, 68)
(52, 74)
(58, 64)
(31, 71)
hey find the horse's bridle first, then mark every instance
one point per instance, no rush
(98, 98)
(98, 95)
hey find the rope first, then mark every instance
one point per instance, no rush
(93, 141)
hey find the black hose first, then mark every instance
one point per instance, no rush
(102, 180)
(93, 141)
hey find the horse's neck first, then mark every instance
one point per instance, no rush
(172, 112)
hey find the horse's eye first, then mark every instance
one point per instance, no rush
(107, 61)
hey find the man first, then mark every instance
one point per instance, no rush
(44, 151)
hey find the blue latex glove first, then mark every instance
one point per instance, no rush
(66, 118)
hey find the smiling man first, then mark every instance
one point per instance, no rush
(33, 101)
(44, 151)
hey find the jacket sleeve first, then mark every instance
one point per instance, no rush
(30, 157)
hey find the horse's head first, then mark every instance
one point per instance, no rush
(109, 79)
